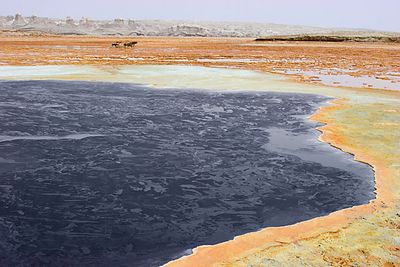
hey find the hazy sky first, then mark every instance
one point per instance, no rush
(373, 14)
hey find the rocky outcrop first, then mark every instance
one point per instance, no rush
(70, 21)
(332, 38)
(19, 21)
(131, 27)
(119, 22)
(186, 30)
(85, 22)
(32, 19)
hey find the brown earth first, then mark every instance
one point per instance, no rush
(377, 59)
(332, 38)
(367, 235)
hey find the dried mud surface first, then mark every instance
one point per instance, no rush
(378, 60)
(366, 235)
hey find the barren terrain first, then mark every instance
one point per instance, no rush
(308, 60)
(362, 121)
(133, 27)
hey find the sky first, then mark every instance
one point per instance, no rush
(368, 14)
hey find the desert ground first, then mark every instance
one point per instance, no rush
(363, 120)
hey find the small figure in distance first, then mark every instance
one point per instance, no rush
(116, 44)
(119, 44)
(130, 44)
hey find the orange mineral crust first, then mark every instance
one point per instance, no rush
(372, 238)
(307, 61)
(364, 122)
(364, 234)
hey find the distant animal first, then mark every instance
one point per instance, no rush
(125, 45)
(116, 44)
(130, 44)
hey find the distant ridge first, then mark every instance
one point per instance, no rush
(337, 37)
(122, 27)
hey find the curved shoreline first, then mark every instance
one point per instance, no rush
(386, 201)
(335, 133)
(328, 136)
(210, 255)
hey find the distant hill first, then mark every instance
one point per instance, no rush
(355, 36)
(121, 27)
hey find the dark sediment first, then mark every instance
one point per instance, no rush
(123, 175)
(331, 38)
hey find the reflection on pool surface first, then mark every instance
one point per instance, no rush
(120, 174)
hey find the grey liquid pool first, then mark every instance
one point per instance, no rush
(108, 174)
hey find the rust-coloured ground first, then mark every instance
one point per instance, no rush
(377, 59)
(367, 235)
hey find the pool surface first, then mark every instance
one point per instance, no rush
(114, 174)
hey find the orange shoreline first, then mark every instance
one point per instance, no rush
(367, 140)
(276, 236)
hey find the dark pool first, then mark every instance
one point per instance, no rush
(108, 174)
